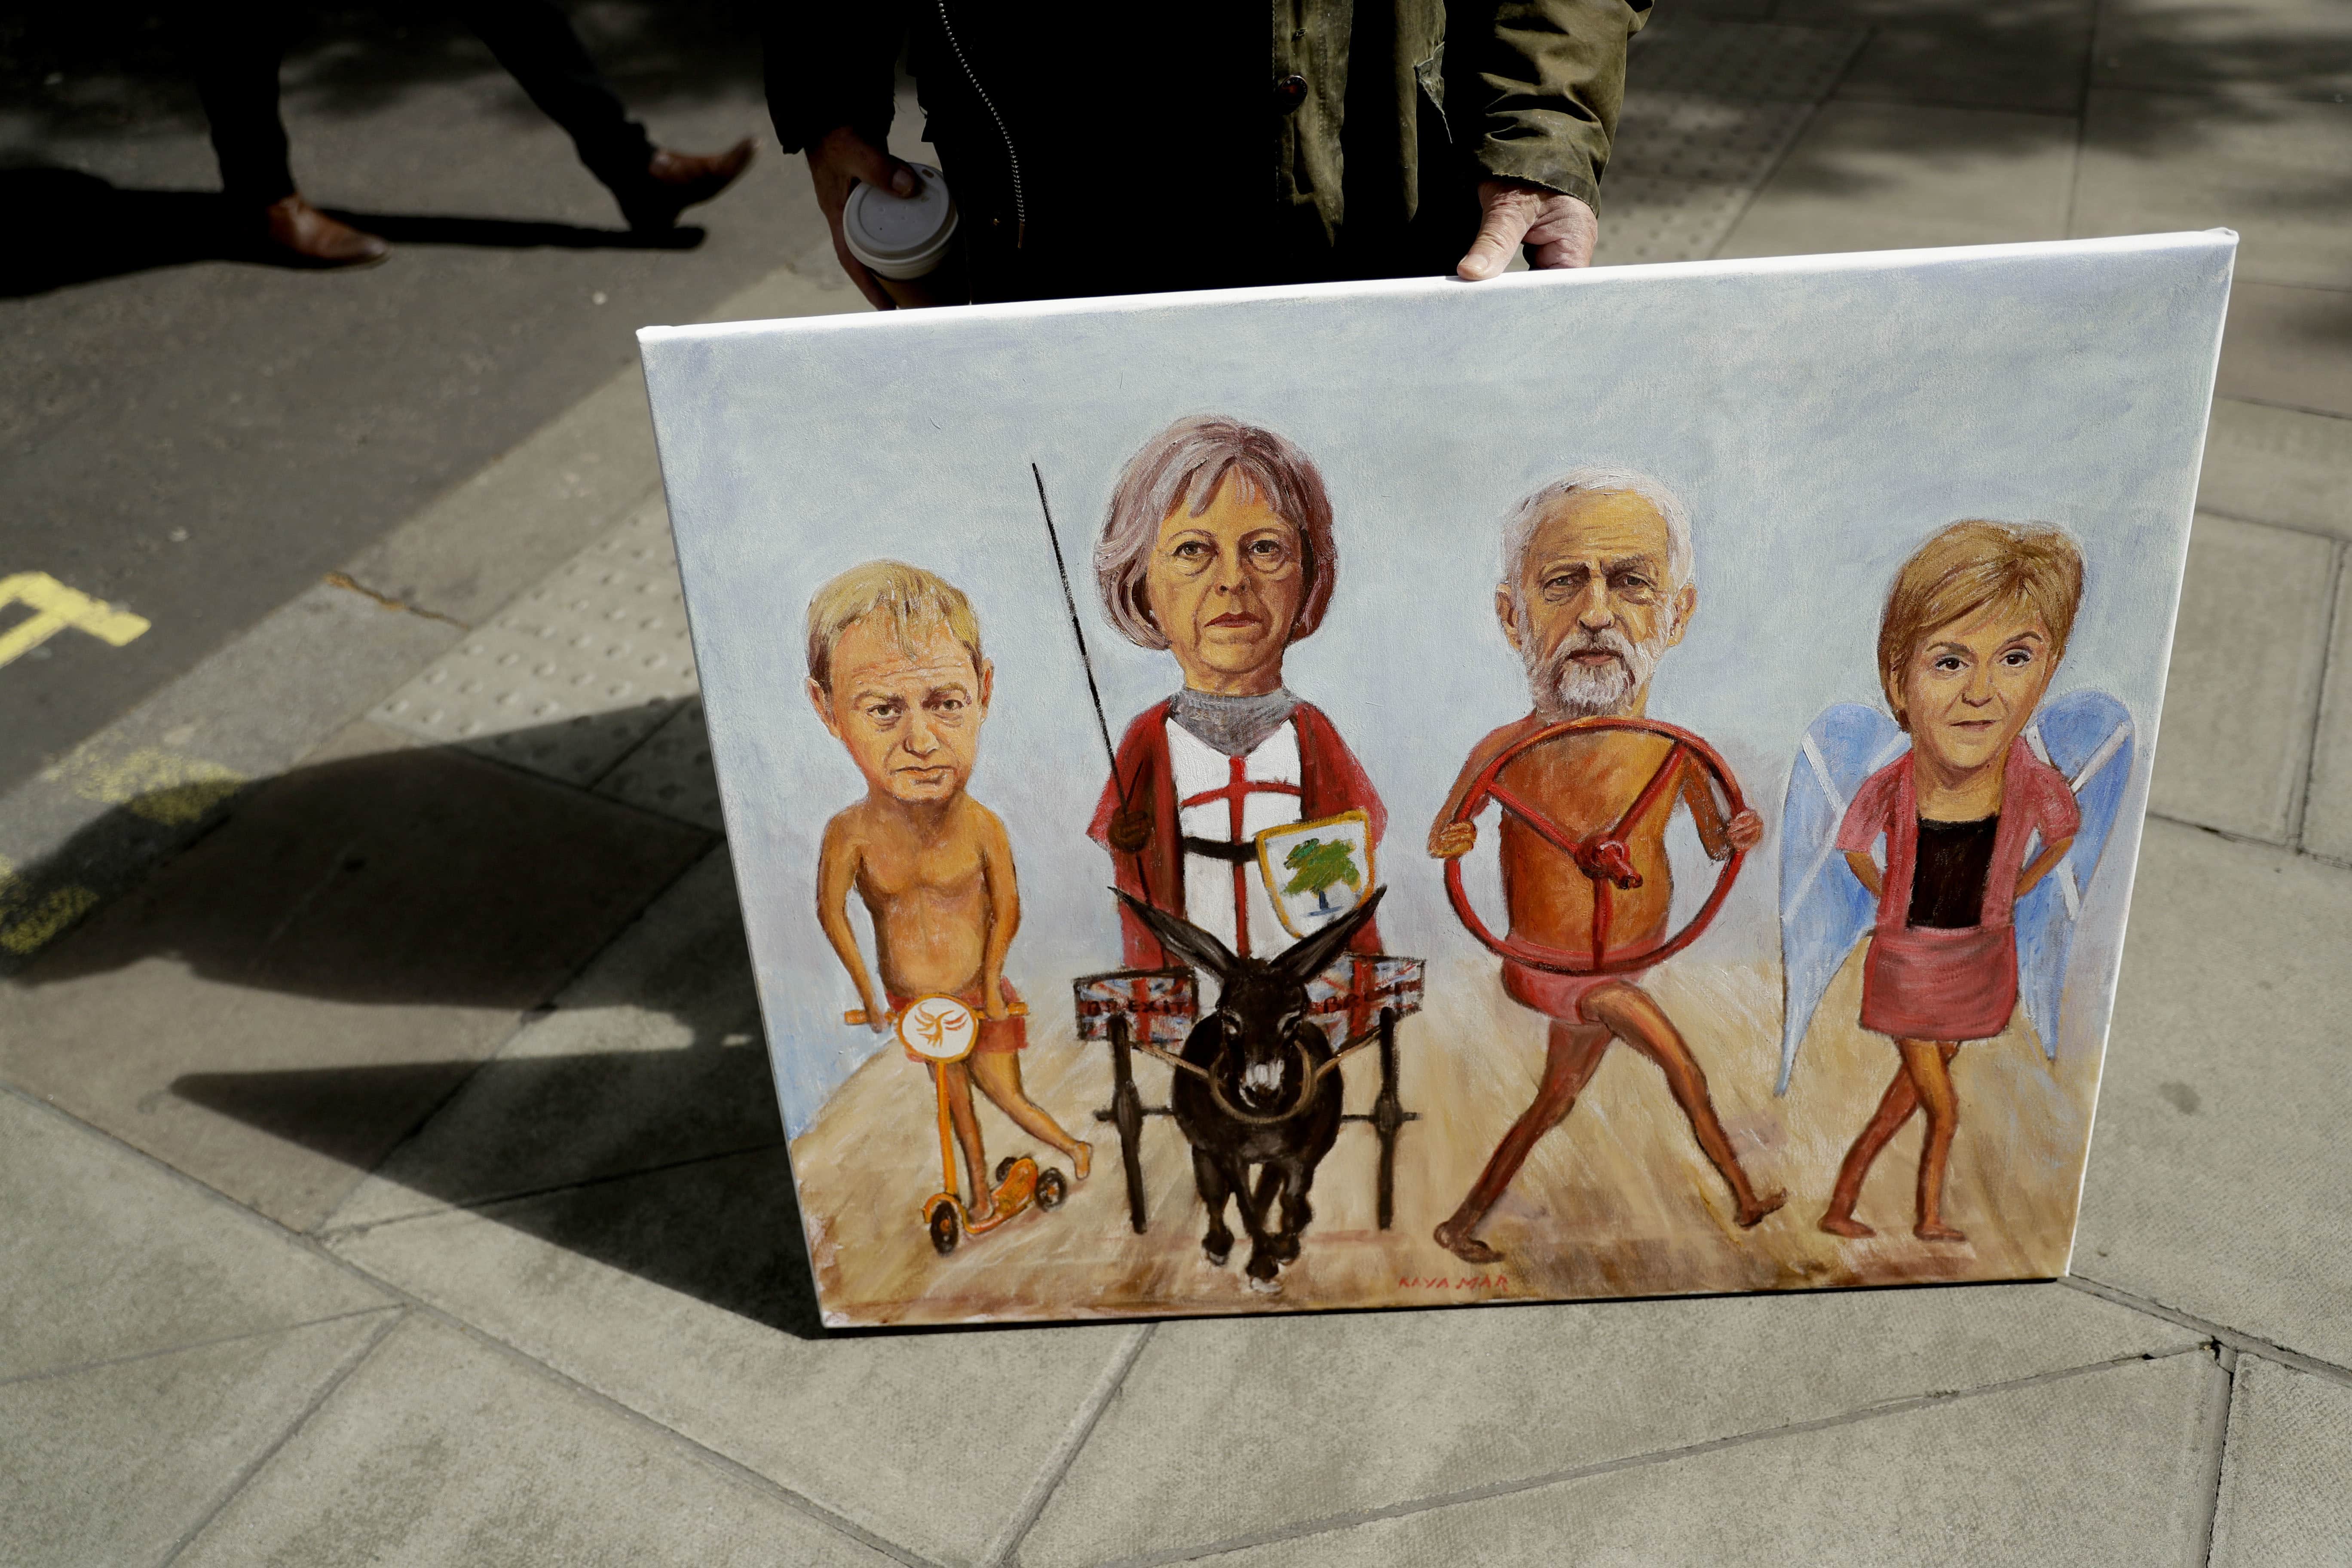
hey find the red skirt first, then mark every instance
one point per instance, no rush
(1925, 983)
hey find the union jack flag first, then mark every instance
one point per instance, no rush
(1159, 1005)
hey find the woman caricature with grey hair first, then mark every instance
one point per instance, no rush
(1218, 548)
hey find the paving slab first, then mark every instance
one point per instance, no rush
(2108, 1468)
(275, 1008)
(2216, 1182)
(115, 1464)
(2276, 170)
(2234, 749)
(1881, 176)
(654, 1056)
(2283, 1476)
(440, 1449)
(1711, 58)
(1380, 1409)
(2278, 465)
(1997, 54)
(2327, 815)
(2290, 346)
(575, 671)
(666, 1291)
(2239, 48)
(669, 774)
(105, 1256)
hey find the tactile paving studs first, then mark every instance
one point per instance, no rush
(1665, 220)
(1739, 59)
(1676, 136)
(670, 774)
(568, 678)
(1709, 109)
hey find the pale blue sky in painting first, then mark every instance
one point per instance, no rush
(1821, 416)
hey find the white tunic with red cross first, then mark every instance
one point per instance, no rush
(1229, 800)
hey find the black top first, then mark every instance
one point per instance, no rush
(1948, 881)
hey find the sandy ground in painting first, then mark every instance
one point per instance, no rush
(1616, 1201)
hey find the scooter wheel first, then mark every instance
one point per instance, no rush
(1005, 1167)
(944, 1234)
(1051, 1189)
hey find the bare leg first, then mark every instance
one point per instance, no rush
(999, 1075)
(967, 1131)
(1894, 1108)
(1570, 1056)
(1629, 1013)
(1929, 1065)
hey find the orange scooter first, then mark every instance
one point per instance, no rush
(941, 1029)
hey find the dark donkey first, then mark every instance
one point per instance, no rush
(1258, 1092)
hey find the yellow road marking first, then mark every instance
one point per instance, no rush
(161, 785)
(54, 608)
(25, 931)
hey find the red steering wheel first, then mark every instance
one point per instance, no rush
(1601, 855)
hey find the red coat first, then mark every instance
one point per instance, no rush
(1330, 781)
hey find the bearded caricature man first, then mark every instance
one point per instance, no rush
(1596, 587)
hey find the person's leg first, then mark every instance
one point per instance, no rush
(1633, 1016)
(235, 51)
(1894, 1108)
(1929, 1065)
(998, 1073)
(967, 1131)
(1571, 1054)
(533, 39)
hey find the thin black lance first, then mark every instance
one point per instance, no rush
(1079, 630)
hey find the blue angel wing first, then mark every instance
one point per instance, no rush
(2088, 737)
(1825, 910)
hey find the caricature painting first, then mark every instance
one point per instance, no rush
(1404, 794)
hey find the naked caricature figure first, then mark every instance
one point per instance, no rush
(1597, 585)
(895, 672)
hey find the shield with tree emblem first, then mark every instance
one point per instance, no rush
(1316, 871)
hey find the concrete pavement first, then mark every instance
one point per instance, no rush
(391, 1173)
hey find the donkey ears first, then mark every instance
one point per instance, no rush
(1306, 959)
(1182, 938)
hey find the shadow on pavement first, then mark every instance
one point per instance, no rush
(335, 962)
(74, 228)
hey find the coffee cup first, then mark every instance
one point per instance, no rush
(908, 243)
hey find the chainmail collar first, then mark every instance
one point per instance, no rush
(1233, 725)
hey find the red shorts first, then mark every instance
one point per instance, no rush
(997, 1036)
(1560, 996)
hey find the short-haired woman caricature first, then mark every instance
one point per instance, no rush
(1972, 633)
(1218, 548)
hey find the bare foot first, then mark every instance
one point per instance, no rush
(1936, 1230)
(1457, 1240)
(1845, 1225)
(1082, 1160)
(1753, 1214)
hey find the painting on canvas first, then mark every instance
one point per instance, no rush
(1585, 785)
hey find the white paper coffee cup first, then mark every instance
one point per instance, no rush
(900, 238)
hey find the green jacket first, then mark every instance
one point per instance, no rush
(1353, 147)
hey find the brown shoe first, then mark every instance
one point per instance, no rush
(301, 234)
(676, 181)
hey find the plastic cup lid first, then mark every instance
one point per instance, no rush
(900, 237)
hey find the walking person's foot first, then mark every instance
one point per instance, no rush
(300, 234)
(1754, 1214)
(1456, 1239)
(673, 181)
(1936, 1230)
(1845, 1225)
